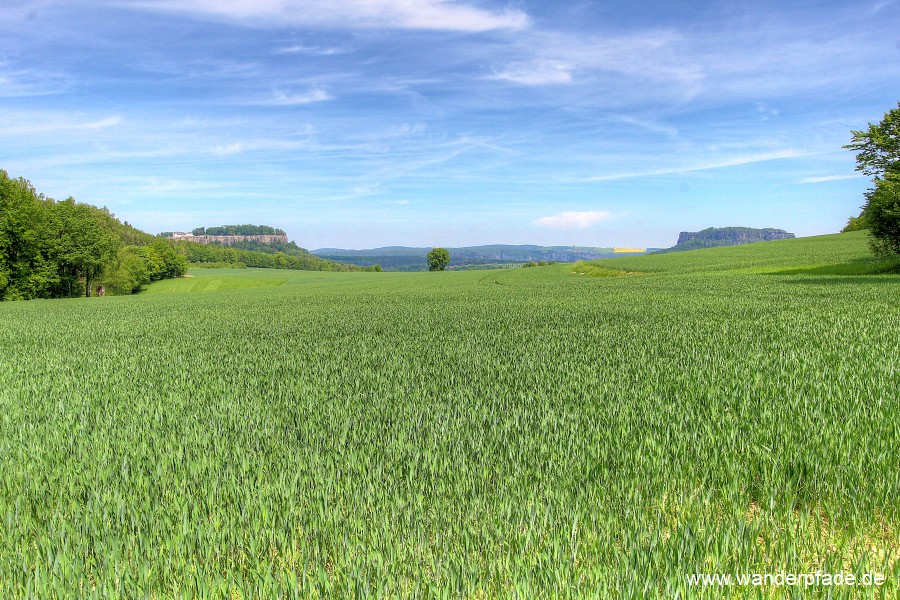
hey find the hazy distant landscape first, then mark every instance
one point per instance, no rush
(401, 258)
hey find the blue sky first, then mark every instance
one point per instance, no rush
(363, 123)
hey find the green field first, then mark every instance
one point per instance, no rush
(514, 433)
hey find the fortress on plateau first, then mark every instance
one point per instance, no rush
(229, 239)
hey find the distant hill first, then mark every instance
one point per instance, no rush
(714, 237)
(260, 246)
(404, 258)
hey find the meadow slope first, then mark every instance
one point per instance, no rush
(526, 432)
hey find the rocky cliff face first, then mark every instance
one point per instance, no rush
(726, 236)
(231, 239)
(735, 235)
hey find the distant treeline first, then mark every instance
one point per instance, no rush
(61, 249)
(399, 258)
(539, 263)
(238, 230)
(264, 256)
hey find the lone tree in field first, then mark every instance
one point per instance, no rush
(438, 259)
(878, 155)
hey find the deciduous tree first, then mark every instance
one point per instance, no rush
(878, 155)
(438, 259)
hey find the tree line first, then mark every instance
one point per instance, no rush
(262, 256)
(63, 249)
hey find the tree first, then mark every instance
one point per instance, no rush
(127, 272)
(51, 249)
(855, 224)
(878, 147)
(83, 243)
(26, 268)
(438, 259)
(878, 155)
(882, 212)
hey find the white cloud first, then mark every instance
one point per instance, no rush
(400, 14)
(228, 149)
(574, 219)
(657, 56)
(282, 98)
(101, 124)
(828, 178)
(536, 72)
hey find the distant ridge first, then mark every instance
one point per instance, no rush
(714, 237)
(405, 258)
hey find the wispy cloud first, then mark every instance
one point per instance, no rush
(400, 14)
(735, 161)
(224, 150)
(22, 84)
(653, 126)
(536, 72)
(313, 50)
(608, 60)
(283, 98)
(22, 125)
(574, 219)
(828, 178)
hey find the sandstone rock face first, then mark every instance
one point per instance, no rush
(726, 236)
(735, 235)
(231, 239)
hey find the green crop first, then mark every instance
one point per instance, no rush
(518, 433)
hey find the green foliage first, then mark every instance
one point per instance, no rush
(345, 435)
(217, 265)
(878, 147)
(26, 266)
(594, 269)
(296, 258)
(539, 263)
(128, 272)
(238, 230)
(878, 155)
(882, 212)
(168, 263)
(52, 249)
(856, 224)
(83, 243)
(438, 259)
(135, 266)
(290, 248)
